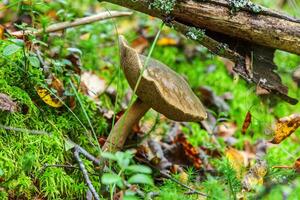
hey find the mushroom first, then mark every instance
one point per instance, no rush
(159, 88)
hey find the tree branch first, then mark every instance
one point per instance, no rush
(267, 27)
(77, 22)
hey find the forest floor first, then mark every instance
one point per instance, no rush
(63, 89)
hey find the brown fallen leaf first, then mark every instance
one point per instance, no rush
(7, 104)
(247, 122)
(211, 100)
(226, 129)
(255, 176)
(285, 127)
(236, 160)
(191, 152)
(93, 83)
(140, 44)
(296, 76)
(261, 91)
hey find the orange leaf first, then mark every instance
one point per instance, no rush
(1, 32)
(297, 165)
(247, 122)
(166, 41)
(285, 127)
(140, 43)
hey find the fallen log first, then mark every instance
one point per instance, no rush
(234, 18)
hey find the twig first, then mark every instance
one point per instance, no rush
(76, 22)
(90, 157)
(182, 184)
(76, 152)
(173, 179)
(36, 132)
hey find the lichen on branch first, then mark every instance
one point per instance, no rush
(237, 5)
(165, 6)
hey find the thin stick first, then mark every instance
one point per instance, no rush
(35, 132)
(84, 152)
(182, 184)
(76, 22)
(172, 179)
(77, 150)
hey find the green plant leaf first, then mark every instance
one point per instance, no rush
(1, 172)
(139, 169)
(130, 197)
(69, 145)
(109, 156)
(10, 49)
(34, 61)
(109, 178)
(123, 158)
(140, 179)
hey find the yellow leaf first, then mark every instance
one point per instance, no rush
(285, 127)
(255, 176)
(48, 99)
(236, 160)
(183, 177)
(1, 32)
(166, 41)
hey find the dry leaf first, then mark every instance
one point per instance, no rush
(211, 100)
(261, 91)
(57, 85)
(297, 165)
(236, 160)
(94, 84)
(7, 104)
(255, 176)
(48, 98)
(140, 44)
(247, 122)
(285, 127)
(226, 129)
(167, 41)
(296, 76)
(183, 177)
(191, 152)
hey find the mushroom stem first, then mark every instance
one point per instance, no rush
(122, 128)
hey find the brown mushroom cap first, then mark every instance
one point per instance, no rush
(160, 87)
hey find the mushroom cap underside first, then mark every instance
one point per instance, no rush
(160, 87)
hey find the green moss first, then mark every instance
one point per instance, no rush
(23, 154)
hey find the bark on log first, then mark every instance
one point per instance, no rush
(267, 28)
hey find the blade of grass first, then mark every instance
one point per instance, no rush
(85, 114)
